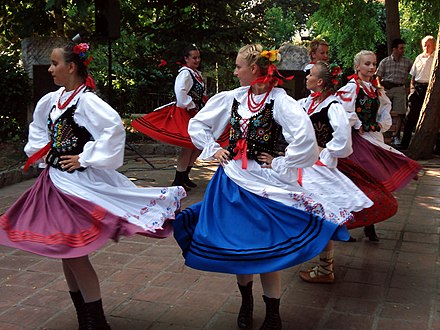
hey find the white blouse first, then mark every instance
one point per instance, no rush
(183, 85)
(99, 118)
(347, 95)
(302, 151)
(340, 144)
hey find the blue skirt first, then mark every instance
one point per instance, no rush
(234, 231)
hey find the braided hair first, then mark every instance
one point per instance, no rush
(252, 55)
(327, 75)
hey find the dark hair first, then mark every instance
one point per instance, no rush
(70, 56)
(188, 49)
(396, 42)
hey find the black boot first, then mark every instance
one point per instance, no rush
(244, 319)
(272, 320)
(95, 316)
(188, 181)
(370, 232)
(179, 180)
(78, 302)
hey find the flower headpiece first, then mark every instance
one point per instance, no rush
(336, 72)
(268, 58)
(82, 50)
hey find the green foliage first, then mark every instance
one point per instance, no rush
(349, 26)
(418, 19)
(15, 96)
(280, 27)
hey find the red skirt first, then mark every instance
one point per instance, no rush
(391, 169)
(169, 124)
(385, 205)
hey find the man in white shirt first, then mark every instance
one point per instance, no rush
(420, 75)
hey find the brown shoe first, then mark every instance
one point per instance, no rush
(315, 275)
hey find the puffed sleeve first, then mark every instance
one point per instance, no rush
(340, 144)
(298, 131)
(105, 125)
(347, 95)
(182, 86)
(210, 122)
(38, 131)
(383, 114)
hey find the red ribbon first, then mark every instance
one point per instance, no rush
(36, 156)
(90, 82)
(270, 78)
(241, 152)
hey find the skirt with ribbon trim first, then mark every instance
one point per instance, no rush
(49, 222)
(237, 232)
(384, 204)
(169, 124)
(392, 169)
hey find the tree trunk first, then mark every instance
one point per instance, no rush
(392, 21)
(427, 130)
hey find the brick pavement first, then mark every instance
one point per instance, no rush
(393, 284)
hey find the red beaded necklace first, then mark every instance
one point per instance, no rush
(254, 106)
(70, 98)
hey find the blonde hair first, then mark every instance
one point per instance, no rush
(357, 57)
(251, 54)
(314, 44)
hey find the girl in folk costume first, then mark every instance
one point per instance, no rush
(255, 218)
(170, 122)
(79, 200)
(333, 134)
(369, 113)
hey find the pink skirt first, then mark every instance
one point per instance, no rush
(391, 169)
(50, 223)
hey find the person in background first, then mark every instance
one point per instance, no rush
(368, 109)
(392, 74)
(80, 201)
(333, 134)
(318, 51)
(420, 75)
(255, 218)
(169, 123)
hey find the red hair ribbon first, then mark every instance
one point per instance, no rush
(269, 78)
(90, 82)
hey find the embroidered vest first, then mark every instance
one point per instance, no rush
(321, 125)
(196, 92)
(67, 138)
(263, 133)
(366, 110)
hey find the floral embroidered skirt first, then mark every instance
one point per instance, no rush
(53, 223)
(235, 231)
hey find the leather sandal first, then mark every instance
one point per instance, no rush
(316, 275)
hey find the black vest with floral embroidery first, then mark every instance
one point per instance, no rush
(366, 110)
(263, 132)
(67, 138)
(321, 125)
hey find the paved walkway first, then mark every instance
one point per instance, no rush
(393, 284)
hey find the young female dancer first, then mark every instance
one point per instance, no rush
(255, 218)
(80, 201)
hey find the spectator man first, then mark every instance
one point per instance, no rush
(392, 74)
(420, 74)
